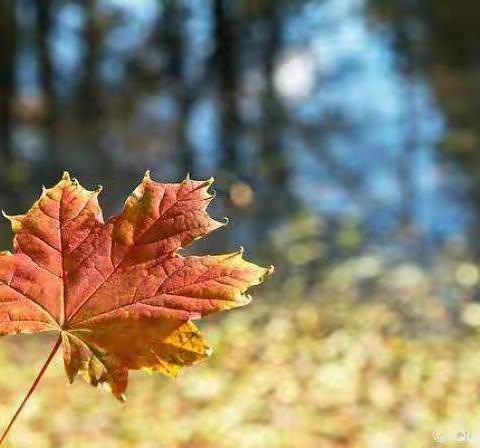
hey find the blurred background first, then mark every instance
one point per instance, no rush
(344, 139)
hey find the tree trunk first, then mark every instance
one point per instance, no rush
(272, 154)
(227, 69)
(8, 37)
(89, 91)
(173, 40)
(46, 74)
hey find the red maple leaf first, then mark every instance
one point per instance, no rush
(117, 292)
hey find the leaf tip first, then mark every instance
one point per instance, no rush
(213, 194)
(267, 272)
(147, 177)
(15, 220)
(208, 351)
(247, 298)
(66, 176)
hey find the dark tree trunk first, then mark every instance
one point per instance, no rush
(46, 72)
(273, 157)
(227, 68)
(8, 37)
(90, 107)
(172, 37)
(89, 90)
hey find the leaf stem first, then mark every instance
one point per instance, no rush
(32, 388)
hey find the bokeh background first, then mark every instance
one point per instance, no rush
(344, 138)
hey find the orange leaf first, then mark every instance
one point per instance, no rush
(117, 292)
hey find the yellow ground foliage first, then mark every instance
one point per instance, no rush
(329, 373)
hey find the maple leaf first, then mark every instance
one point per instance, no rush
(117, 292)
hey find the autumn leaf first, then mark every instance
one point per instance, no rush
(117, 292)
